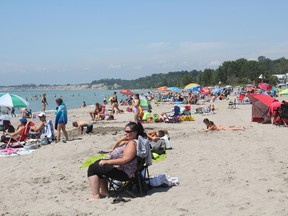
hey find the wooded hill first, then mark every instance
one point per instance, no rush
(237, 72)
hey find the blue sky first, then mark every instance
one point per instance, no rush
(78, 41)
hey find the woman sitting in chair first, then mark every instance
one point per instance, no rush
(122, 162)
(21, 132)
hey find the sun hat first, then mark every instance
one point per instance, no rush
(41, 114)
(23, 120)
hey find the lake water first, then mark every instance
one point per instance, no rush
(72, 98)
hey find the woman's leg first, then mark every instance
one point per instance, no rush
(58, 132)
(64, 131)
(61, 126)
(94, 182)
(136, 118)
(104, 187)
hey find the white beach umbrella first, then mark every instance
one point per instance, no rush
(12, 100)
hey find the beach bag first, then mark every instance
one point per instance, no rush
(89, 128)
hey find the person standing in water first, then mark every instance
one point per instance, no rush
(44, 103)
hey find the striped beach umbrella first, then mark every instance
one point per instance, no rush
(191, 85)
(12, 100)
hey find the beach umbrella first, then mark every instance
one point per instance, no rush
(174, 89)
(163, 88)
(265, 86)
(12, 100)
(216, 90)
(205, 90)
(285, 91)
(191, 85)
(126, 92)
(194, 88)
(228, 86)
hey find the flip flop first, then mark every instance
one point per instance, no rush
(120, 199)
(103, 152)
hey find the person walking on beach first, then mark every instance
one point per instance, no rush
(61, 119)
(114, 103)
(44, 103)
(136, 104)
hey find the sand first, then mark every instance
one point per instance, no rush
(220, 172)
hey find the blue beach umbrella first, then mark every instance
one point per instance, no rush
(216, 90)
(174, 89)
(195, 88)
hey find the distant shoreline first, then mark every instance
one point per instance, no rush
(54, 87)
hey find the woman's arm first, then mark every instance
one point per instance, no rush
(37, 129)
(16, 133)
(128, 154)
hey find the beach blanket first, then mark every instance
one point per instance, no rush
(14, 152)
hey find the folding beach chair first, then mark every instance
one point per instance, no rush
(174, 117)
(118, 186)
(20, 141)
(241, 98)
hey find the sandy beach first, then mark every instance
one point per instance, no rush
(220, 172)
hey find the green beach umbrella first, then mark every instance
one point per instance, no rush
(12, 100)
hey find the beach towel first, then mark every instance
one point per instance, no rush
(8, 152)
(92, 159)
(156, 157)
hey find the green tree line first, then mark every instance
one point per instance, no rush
(238, 72)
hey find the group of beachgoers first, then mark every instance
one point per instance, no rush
(45, 130)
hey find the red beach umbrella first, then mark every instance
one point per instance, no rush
(265, 86)
(205, 90)
(126, 92)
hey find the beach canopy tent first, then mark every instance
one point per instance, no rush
(12, 100)
(145, 103)
(260, 107)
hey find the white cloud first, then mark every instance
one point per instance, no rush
(116, 66)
